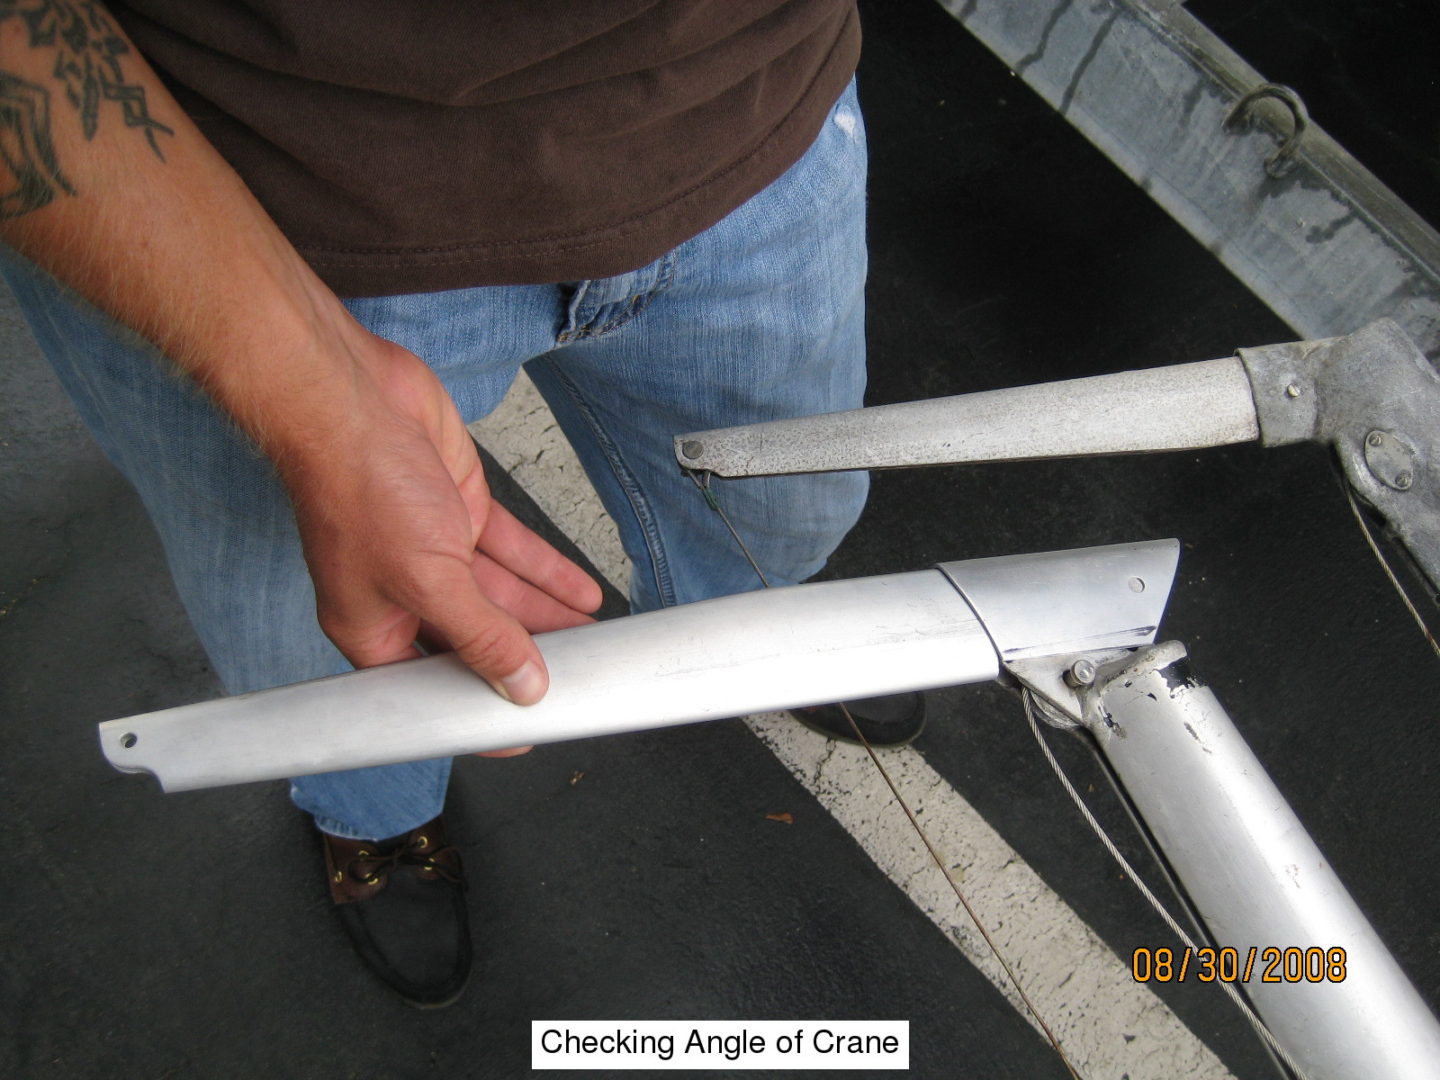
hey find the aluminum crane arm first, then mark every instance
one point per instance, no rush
(1131, 412)
(1371, 395)
(735, 655)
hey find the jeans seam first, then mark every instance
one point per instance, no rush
(639, 505)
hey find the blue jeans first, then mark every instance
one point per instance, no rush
(757, 318)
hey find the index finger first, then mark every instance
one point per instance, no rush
(530, 557)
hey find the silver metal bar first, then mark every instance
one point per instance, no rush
(727, 657)
(1372, 394)
(1183, 406)
(759, 651)
(1258, 879)
(1305, 226)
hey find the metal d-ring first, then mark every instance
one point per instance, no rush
(1241, 117)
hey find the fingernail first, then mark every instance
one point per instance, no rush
(524, 686)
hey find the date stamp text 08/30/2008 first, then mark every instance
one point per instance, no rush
(1271, 964)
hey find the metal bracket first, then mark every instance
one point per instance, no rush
(1060, 685)
(1055, 618)
(1389, 460)
(1375, 398)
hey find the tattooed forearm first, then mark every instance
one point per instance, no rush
(87, 50)
(25, 149)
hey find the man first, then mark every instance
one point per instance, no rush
(656, 207)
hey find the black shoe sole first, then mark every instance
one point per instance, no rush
(830, 720)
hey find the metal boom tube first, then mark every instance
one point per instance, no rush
(731, 656)
(1257, 878)
(718, 658)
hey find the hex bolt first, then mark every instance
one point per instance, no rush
(1081, 673)
(1403, 480)
(692, 449)
(1375, 438)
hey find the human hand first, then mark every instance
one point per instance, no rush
(404, 542)
(158, 231)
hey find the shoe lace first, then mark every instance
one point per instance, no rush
(370, 867)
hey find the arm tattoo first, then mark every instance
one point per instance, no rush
(87, 63)
(25, 149)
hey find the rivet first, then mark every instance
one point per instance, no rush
(692, 449)
(1292, 391)
(1136, 584)
(1375, 438)
(1403, 480)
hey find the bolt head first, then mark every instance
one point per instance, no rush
(692, 449)
(1081, 673)
(1375, 438)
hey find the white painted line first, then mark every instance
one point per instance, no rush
(1109, 1025)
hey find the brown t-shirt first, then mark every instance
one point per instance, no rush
(436, 144)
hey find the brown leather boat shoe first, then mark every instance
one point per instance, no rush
(402, 902)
